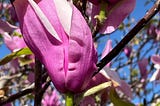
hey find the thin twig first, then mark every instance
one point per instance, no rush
(16, 96)
(42, 91)
(149, 15)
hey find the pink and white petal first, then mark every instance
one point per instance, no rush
(65, 19)
(155, 59)
(126, 89)
(6, 27)
(155, 76)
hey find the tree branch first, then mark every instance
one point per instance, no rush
(38, 82)
(16, 96)
(115, 51)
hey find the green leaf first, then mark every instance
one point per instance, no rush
(8, 58)
(97, 88)
(118, 101)
(158, 104)
(25, 60)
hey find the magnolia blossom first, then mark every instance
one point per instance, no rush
(127, 51)
(14, 43)
(63, 45)
(88, 101)
(114, 9)
(158, 34)
(51, 99)
(143, 68)
(108, 74)
(6, 27)
(13, 14)
(8, 104)
(105, 75)
(154, 32)
(156, 60)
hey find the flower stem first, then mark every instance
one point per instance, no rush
(69, 99)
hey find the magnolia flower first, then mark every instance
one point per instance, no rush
(95, 2)
(8, 104)
(156, 75)
(143, 68)
(13, 14)
(61, 40)
(51, 99)
(158, 34)
(151, 31)
(88, 101)
(154, 32)
(108, 74)
(6, 27)
(1, 6)
(14, 43)
(127, 51)
(114, 9)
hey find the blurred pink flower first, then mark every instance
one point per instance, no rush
(154, 31)
(6, 27)
(156, 75)
(13, 14)
(63, 45)
(95, 2)
(158, 34)
(52, 99)
(143, 68)
(1, 6)
(87, 101)
(106, 74)
(127, 51)
(8, 104)
(151, 31)
(14, 43)
(115, 8)
(31, 77)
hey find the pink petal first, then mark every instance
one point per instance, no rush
(6, 27)
(155, 59)
(112, 75)
(88, 101)
(127, 51)
(44, 20)
(95, 2)
(126, 89)
(66, 23)
(143, 67)
(14, 42)
(70, 63)
(82, 54)
(115, 10)
(155, 76)
(31, 77)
